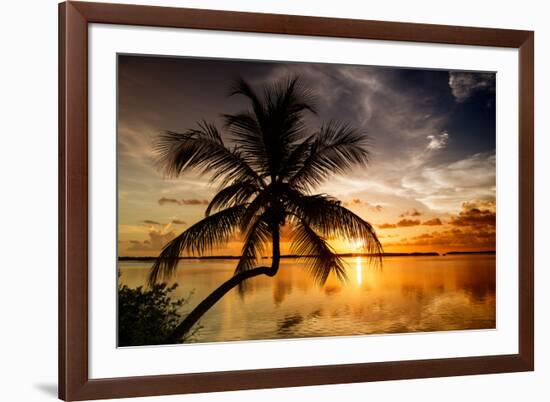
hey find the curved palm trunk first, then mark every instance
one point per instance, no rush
(192, 318)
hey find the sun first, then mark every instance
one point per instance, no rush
(356, 246)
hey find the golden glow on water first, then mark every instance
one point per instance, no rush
(358, 271)
(408, 294)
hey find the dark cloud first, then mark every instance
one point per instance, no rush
(463, 85)
(151, 222)
(403, 223)
(192, 201)
(165, 200)
(473, 228)
(408, 222)
(357, 202)
(433, 222)
(461, 239)
(179, 222)
(410, 212)
(476, 213)
(424, 236)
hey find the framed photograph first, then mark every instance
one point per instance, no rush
(258, 201)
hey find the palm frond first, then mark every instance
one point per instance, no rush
(331, 220)
(258, 206)
(202, 150)
(286, 101)
(256, 239)
(276, 122)
(322, 260)
(237, 193)
(246, 127)
(246, 132)
(241, 87)
(296, 158)
(290, 96)
(202, 236)
(336, 149)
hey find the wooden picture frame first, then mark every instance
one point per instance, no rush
(74, 381)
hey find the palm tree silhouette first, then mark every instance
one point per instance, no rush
(266, 179)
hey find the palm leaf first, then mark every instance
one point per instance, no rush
(296, 158)
(322, 260)
(258, 206)
(203, 150)
(201, 237)
(241, 87)
(232, 195)
(256, 239)
(246, 132)
(331, 220)
(336, 149)
(268, 132)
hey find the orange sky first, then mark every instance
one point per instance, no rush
(430, 186)
(472, 228)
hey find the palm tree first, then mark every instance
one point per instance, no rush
(266, 179)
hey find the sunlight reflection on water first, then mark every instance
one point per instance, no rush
(358, 271)
(408, 294)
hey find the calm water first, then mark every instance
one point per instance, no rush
(408, 294)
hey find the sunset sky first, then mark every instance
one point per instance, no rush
(430, 185)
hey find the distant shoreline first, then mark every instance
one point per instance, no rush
(235, 257)
(469, 252)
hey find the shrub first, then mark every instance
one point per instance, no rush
(148, 316)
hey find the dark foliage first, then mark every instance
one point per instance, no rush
(148, 317)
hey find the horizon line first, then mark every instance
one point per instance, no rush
(412, 254)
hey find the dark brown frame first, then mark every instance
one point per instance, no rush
(74, 383)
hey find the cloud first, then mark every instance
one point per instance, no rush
(476, 214)
(179, 222)
(193, 201)
(487, 204)
(401, 224)
(358, 202)
(432, 222)
(387, 236)
(473, 227)
(377, 100)
(157, 240)
(463, 85)
(150, 222)
(460, 239)
(165, 200)
(424, 236)
(445, 186)
(408, 222)
(438, 141)
(410, 212)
